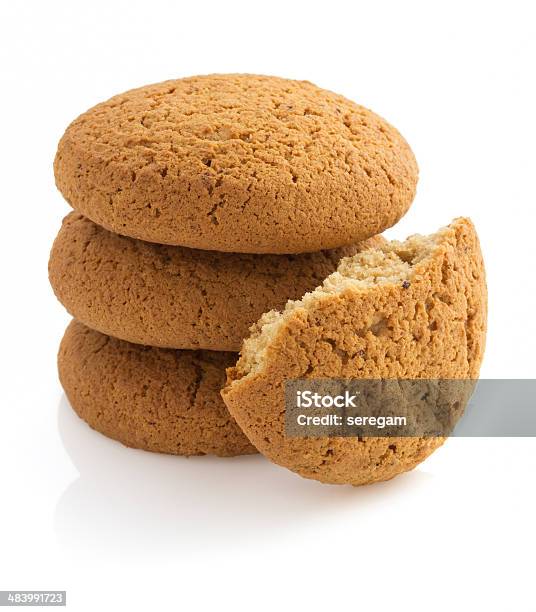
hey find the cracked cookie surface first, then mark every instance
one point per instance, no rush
(410, 310)
(176, 297)
(154, 399)
(238, 163)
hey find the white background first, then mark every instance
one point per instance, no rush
(82, 513)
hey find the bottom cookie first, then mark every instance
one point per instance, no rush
(160, 400)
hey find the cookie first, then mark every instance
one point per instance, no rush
(411, 310)
(237, 163)
(158, 400)
(175, 297)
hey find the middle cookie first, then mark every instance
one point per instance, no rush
(175, 297)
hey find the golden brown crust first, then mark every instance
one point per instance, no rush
(155, 399)
(432, 328)
(238, 163)
(175, 297)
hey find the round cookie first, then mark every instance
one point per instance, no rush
(155, 399)
(412, 310)
(237, 163)
(176, 297)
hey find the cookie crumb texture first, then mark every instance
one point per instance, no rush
(154, 399)
(237, 163)
(413, 309)
(176, 297)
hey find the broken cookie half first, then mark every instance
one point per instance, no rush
(403, 310)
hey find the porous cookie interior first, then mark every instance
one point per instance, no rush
(390, 263)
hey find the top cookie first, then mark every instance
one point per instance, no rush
(238, 163)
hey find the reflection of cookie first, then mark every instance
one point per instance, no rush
(415, 309)
(154, 399)
(174, 296)
(238, 163)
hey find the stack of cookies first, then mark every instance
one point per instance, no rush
(199, 205)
